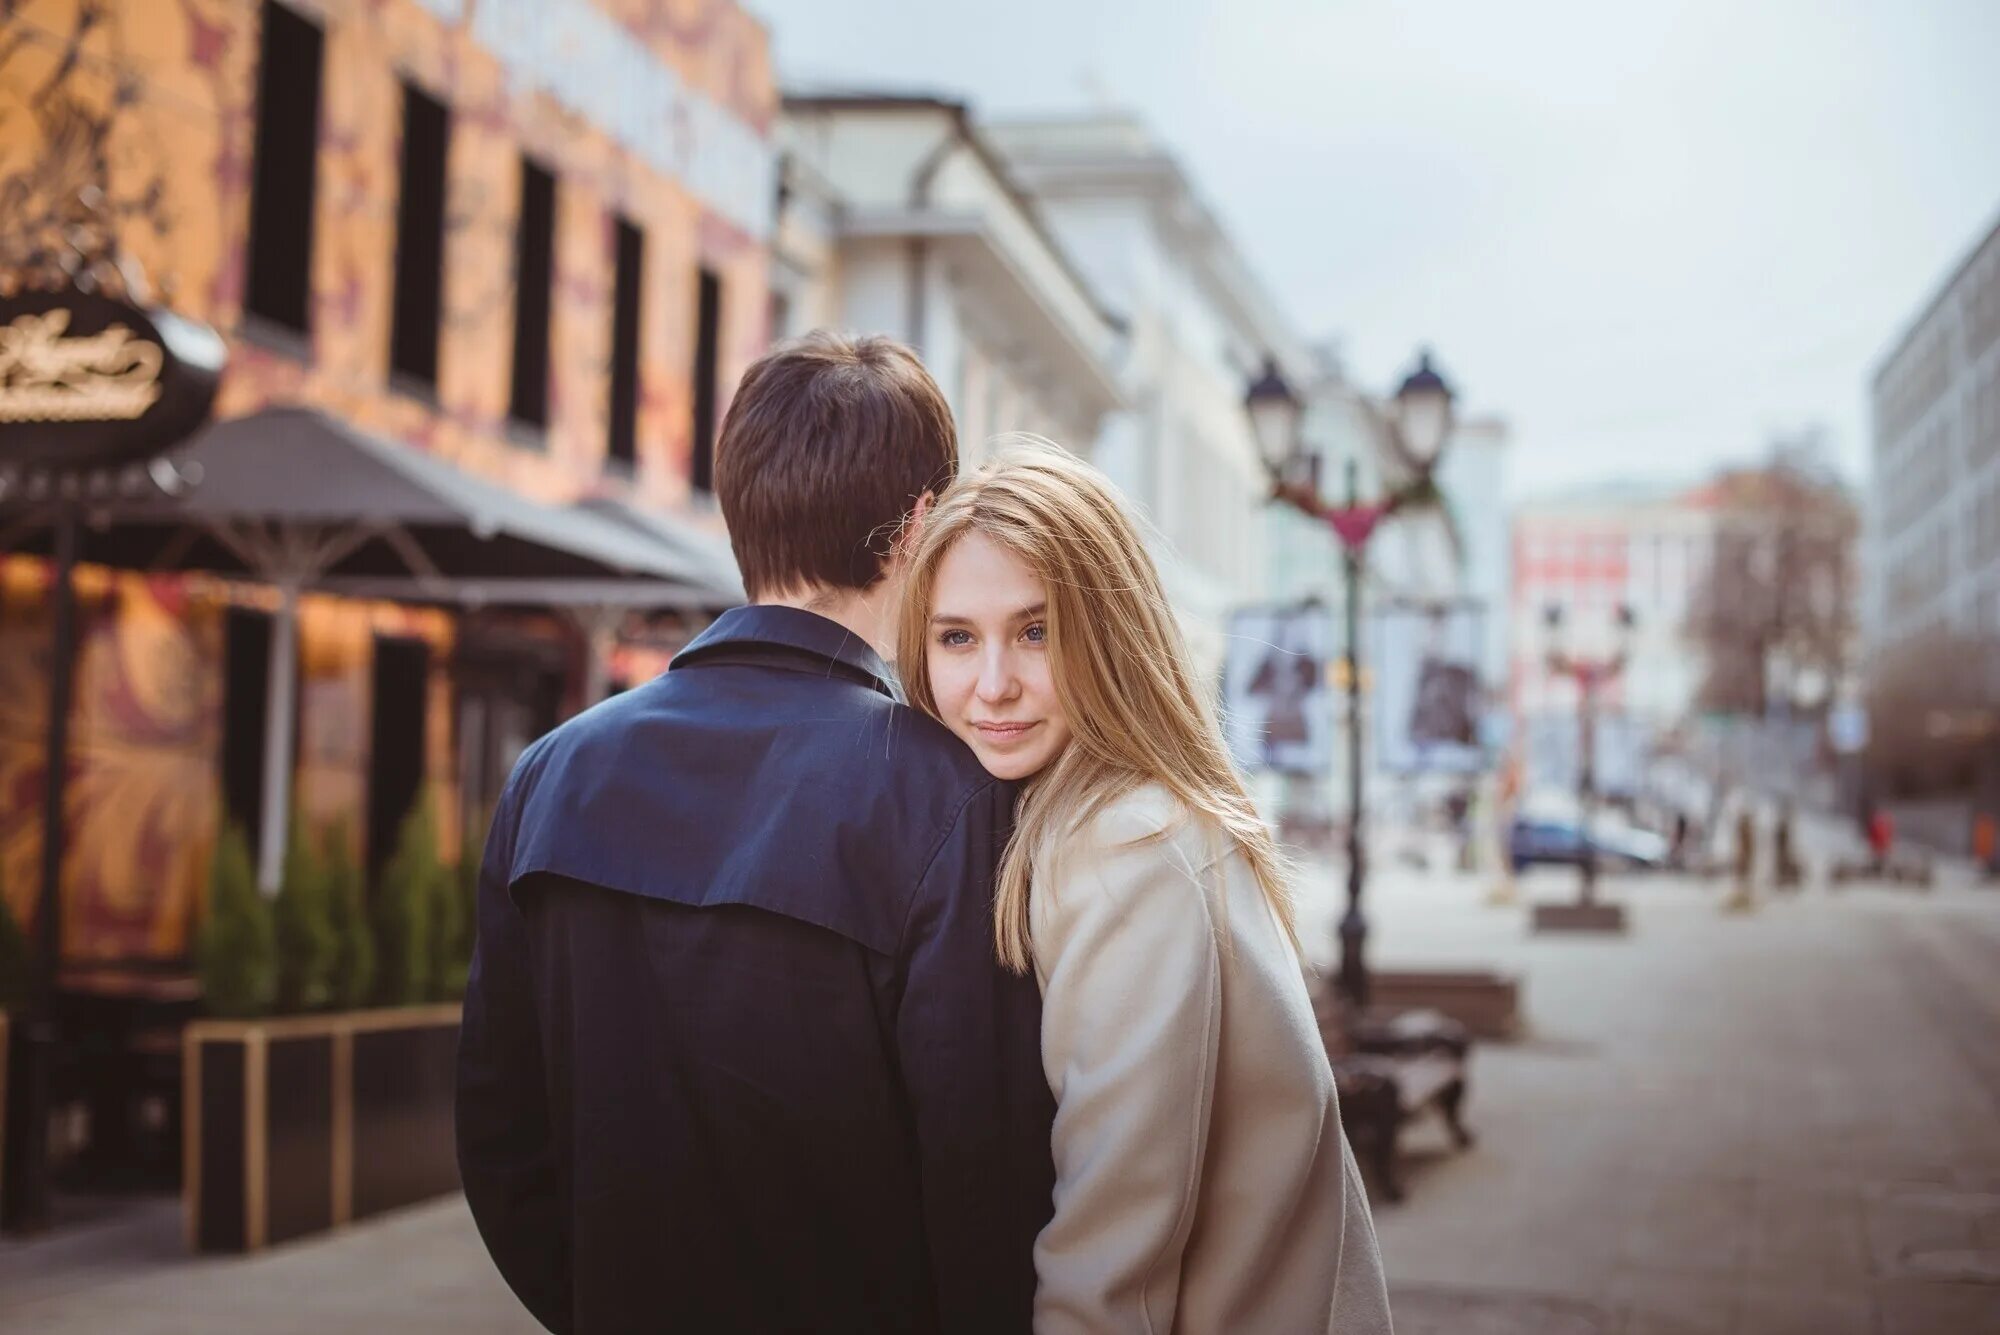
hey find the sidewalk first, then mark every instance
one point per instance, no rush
(1783, 1123)
(1788, 1122)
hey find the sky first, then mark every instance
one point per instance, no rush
(1652, 236)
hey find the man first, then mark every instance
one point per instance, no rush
(737, 1054)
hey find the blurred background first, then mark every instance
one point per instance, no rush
(1571, 436)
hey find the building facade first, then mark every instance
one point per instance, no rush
(526, 236)
(1586, 557)
(1933, 528)
(896, 217)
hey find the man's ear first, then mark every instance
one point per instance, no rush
(912, 530)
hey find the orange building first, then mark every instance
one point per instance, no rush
(528, 236)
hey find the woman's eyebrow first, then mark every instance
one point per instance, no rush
(1022, 614)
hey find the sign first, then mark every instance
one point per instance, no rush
(1277, 714)
(1429, 701)
(1847, 729)
(87, 380)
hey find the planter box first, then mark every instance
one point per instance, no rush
(1486, 1002)
(301, 1123)
(6, 1060)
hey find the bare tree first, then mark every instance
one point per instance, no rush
(1776, 610)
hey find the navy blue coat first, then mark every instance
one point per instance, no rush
(737, 1055)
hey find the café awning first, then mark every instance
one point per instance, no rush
(298, 499)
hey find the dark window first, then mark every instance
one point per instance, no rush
(534, 276)
(396, 754)
(281, 189)
(413, 327)
(246, 684)
(625, 345)
(707, 329)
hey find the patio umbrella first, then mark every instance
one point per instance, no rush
(297, 499)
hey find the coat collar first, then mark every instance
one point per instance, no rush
(742, 631)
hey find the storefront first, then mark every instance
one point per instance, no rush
(427, 258)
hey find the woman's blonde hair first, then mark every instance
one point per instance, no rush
(1117, 658)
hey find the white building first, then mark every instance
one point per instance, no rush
(896, 217)
(1197, 328)
(1472, 476)
(1933, 563)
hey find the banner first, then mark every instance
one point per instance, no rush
(1277, 713)
(1429, 702)
(1554, 752)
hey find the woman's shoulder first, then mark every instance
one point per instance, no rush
(1139, 816)
(1147, 823)
(1132, 870)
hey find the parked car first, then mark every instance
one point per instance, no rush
(1558, 840)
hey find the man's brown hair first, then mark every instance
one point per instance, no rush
(829, 442)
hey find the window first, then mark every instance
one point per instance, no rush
(413, 321)
(623, 447)
(534, 278)
(780, 316)
(279, 287)
(707, 329)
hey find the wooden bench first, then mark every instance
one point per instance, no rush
(1390, 1070)
(1486, 1001)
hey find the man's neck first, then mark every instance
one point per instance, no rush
(865, 614)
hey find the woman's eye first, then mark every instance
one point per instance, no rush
(954, 639)
(1036, 634)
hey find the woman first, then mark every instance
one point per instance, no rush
(1203, 1183)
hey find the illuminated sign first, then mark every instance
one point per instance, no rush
(87, 380)
(48, 374)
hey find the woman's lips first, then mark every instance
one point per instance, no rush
(1002, 733)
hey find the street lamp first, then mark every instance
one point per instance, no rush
(1591, 675)
(1416, 428)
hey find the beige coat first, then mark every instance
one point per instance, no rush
(1202, 1181)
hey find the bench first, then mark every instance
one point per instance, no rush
(1389, 1070)
(1486, 1001)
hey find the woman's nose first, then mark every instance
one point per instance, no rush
(996, 677)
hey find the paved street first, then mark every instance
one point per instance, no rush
(1786, 1122)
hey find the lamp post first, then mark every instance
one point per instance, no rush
(1416, 429)
(1591, 676)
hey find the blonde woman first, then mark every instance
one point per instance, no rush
(1202, 1180)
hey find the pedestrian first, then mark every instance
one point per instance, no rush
(1986, 845)
(1786, 872)
(1203, 1182)
(1743, 897)
(737, 1053)
(1881, 839)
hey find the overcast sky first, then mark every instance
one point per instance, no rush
(1648, 234)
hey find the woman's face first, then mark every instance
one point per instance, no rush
(988, 659)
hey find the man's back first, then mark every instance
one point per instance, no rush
(737, 1055)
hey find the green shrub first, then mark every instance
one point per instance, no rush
(236, 950)
(406, 903)
(447, 969)
(458, 889)
(13, 958)
(352, 981)
(303, 914)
